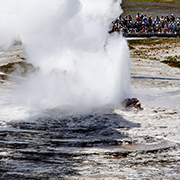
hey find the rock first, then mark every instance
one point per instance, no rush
(133, 103)
(19, 68)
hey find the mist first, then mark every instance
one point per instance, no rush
(79, 64)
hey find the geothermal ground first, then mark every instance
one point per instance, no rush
(150, 8)
(104, 144)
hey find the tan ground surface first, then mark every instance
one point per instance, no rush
(150, 8)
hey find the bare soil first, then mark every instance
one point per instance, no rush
(150, 8)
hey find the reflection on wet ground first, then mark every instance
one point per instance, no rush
(47, 147)
(62, 148)
(157, 78)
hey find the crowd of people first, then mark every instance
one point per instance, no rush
(168, 24)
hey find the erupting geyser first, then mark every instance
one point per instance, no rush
(79, 63)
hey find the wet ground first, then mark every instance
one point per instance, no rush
(56, 148)
(94, 146)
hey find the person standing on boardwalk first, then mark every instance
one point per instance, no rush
(138, 18)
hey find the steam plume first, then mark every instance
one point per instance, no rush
(80, 64)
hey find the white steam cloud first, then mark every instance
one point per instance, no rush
(80, 64)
